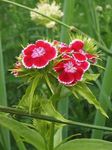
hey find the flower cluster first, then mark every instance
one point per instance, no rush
(70, 62)
(50, 10)
(74, 62)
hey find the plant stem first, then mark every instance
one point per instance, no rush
(51, 141)
(51, 119)
(71, 28)
(5, 133)
(104, 98)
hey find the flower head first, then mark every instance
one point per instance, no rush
(75, 61)
(50, 10)
(38, 55)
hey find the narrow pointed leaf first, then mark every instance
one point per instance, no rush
(83, 90)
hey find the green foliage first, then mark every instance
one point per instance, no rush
(83, 90)
(27, 135)
(90, 77)
(84, 144)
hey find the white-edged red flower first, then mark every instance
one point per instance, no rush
(38, 55)
(69, 71)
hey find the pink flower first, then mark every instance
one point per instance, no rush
(69, 72)
(38, 55)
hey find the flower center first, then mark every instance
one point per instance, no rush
(69, 67)
(38, 52)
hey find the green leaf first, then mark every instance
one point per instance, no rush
(28, 135)
(86, 144)
(28, 98)
(19, 141)
(90, 77)
(83, 90)
(58, 137)
(51, 111)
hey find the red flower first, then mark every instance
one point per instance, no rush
(69, 72)
(38, 55)
(77, 45)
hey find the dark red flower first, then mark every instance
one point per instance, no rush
(77, 45)
(69, 71)
(38, 55)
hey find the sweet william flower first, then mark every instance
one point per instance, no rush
(69, 71)
(38, 55)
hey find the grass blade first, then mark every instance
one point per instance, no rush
(3, 101)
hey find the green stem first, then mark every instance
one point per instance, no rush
(104, 98)
(51, 119)
(51, 141)
(71, 28)
(4, 133)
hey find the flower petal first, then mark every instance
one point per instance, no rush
(51, 53)
(40, 43)
(90, 56)
(66, 78)
(28, 50)
(27, 61)
(85, 65)
(79, 57)
(78, 74)
(76, 45)
(40, 62)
